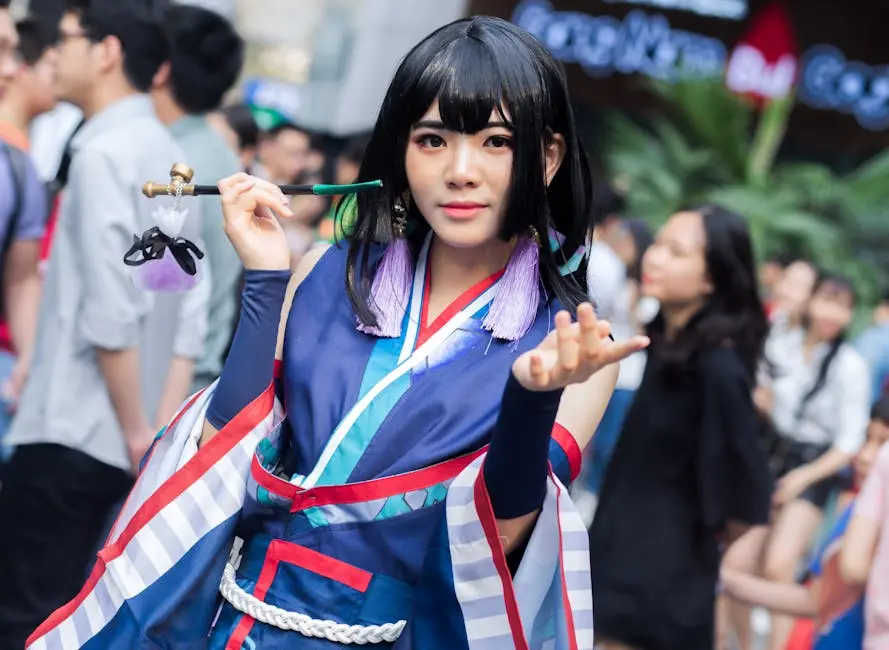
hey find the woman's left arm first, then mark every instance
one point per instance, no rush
(568, 379)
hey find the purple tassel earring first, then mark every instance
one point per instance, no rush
(514, 308)
(392, 280)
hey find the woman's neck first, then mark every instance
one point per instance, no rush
(676, 317)
(810, 342)
(454, 270)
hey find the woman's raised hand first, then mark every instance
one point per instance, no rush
(572, 352)
(249, 209)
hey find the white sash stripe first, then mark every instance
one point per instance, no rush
(416, 304)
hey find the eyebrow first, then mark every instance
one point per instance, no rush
(438, 124)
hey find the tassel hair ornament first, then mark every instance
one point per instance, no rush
(393, 277)
(514, 308)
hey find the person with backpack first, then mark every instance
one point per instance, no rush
(29, 94)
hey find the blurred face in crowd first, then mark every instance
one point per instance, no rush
(285, 155)
(621, 241)
(38, 83)
(9, 42)
(877, 436)
(346, 171)
(247, 155)
(794, 288)
(75, 72)
(770, 274)
(674, 268)
(830, 310)
(83, 63)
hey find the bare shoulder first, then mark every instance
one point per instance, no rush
(301, 272)
(306, 263)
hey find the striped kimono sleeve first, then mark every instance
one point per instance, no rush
(159, 571)
(467, 599)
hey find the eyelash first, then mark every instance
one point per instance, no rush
(424, 140)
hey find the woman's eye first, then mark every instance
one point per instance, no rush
(500, 141)
(431, 141)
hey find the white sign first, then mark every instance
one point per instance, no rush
(640, 43)
(728, 9)
(748, 72)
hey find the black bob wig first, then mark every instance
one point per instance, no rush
(473, 67)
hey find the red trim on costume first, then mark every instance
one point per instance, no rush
(263, 584)
(489, 526)
(458, 305)
(305, 558)
(382, 487)
(272, 483)
(208, 455)
(566, 603)
(323, 565)
(569, 445)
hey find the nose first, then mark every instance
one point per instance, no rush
(653, 257)
(462, 166)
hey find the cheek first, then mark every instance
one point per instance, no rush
(421, 172)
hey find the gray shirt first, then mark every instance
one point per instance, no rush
(89, 300)
(212, 160)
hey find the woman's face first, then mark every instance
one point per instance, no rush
(830, 311)
(460, 181)
(674, 268)
(877, 435)
(794, 288)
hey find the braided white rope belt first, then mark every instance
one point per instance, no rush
(305, 625)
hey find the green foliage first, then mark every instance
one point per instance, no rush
(713, 146)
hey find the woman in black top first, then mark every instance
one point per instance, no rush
(688, 465)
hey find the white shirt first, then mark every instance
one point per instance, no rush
(609, 290)
(838, 414)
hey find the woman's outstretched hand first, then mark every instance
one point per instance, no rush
(250, 207)
(572, 352)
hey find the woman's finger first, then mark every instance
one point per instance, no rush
(274, 190)
(539, 375)
(589, 328)
(604, 328)
(234, 192)
(229, 181)
(271, 199)
(568, 345)
(622, 349)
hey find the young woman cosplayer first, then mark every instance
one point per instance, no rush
(687, 469)
(402, 481)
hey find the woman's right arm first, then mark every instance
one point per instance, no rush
(258, 342)
(251, 208)
(783, 598)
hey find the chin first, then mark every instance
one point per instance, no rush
(464, 235)
(648, 290)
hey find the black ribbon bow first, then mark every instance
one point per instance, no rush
(152, 245)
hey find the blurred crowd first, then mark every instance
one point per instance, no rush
(91, 367)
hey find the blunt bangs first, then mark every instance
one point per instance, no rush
(466, 81)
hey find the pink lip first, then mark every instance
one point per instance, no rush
(462, 209)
